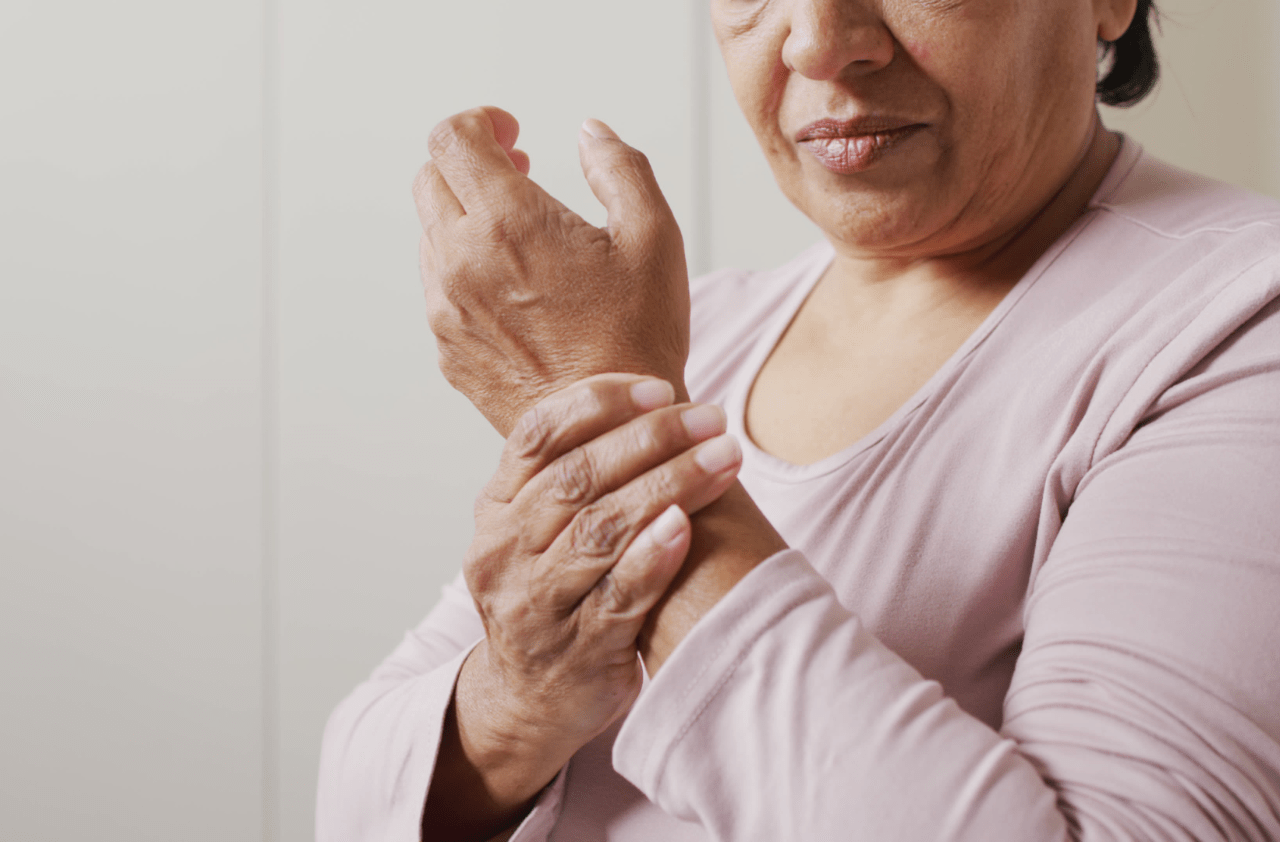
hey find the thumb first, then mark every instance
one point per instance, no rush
(622, 179)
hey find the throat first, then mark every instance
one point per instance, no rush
(836, 377)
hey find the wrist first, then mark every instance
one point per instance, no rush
(731, 537)
(514, 755)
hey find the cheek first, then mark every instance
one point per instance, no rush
(758, 87)
(920, 51)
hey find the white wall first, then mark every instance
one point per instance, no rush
(230, 475)
(131, 563)
(379, 460)
(1217, 110)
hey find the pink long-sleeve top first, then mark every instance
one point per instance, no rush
(1040, 602)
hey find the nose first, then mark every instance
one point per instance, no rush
(831, 37)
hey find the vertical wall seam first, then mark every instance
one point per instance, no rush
(700, 259)
(270, 422)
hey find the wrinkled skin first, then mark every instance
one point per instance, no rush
(578, 535)
(526, 297)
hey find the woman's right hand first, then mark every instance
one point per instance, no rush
(578, 535)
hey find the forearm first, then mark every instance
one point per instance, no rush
(484, 782)
(730, 538)
(780, 682)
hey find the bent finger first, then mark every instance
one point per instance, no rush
(623, 180)
(566, 419)
(468, 150)
(521, 160)
(550, 500)
(595, 539)
(436, 203)
(646, 569)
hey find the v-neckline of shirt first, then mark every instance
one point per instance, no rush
(765, 465)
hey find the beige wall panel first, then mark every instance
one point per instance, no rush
(130, 468)
(380, 459)
(1217, 110)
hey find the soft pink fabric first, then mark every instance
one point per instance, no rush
(1040, 602)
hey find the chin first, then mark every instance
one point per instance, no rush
(873, 224)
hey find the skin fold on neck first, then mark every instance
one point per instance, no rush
(873, 331)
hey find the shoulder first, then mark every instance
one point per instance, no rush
(732, 309)
(1167, 253)
(1181, 275)
(1145, 192)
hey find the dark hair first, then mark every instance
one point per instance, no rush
(1134, 69)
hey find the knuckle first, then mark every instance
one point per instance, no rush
(441, 137)
(592, 398)
(441, 323)
(611, 597)
(652, 435)
(598, 530)
(637, 159)
(541, 432)
(480, 571)
(437, 301)
(442, 278)
(486, 503)
(532, 434)
(575, 479)
(472, 119)
(591, 243)
(447, 131)
(426, 174)
(438, 313)
(547, 590)
(499, 228)
(453, 373)
(665, 485)
(451, 276)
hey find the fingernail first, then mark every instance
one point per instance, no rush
(595, 128)
(703, 421)
(719, 454)
(652, 394)
(668, 526)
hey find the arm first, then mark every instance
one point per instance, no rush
(1144, 701)
(525, 298)
(578, 533)
(780, 716)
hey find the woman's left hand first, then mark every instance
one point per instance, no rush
(526, 297)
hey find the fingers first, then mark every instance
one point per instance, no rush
(500, 125)
(520, 159)
(437, 206)
(481, 127)
(568, 418)
(622, 179)
(645, 570)
(473, 152)
(552, 498)
(597, 536)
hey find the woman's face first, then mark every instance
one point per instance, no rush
(917, 128)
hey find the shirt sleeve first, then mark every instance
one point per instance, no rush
(1145, 704)
(380, 744)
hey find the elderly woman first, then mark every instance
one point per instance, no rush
(971, 532)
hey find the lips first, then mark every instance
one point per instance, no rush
(852, 146)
